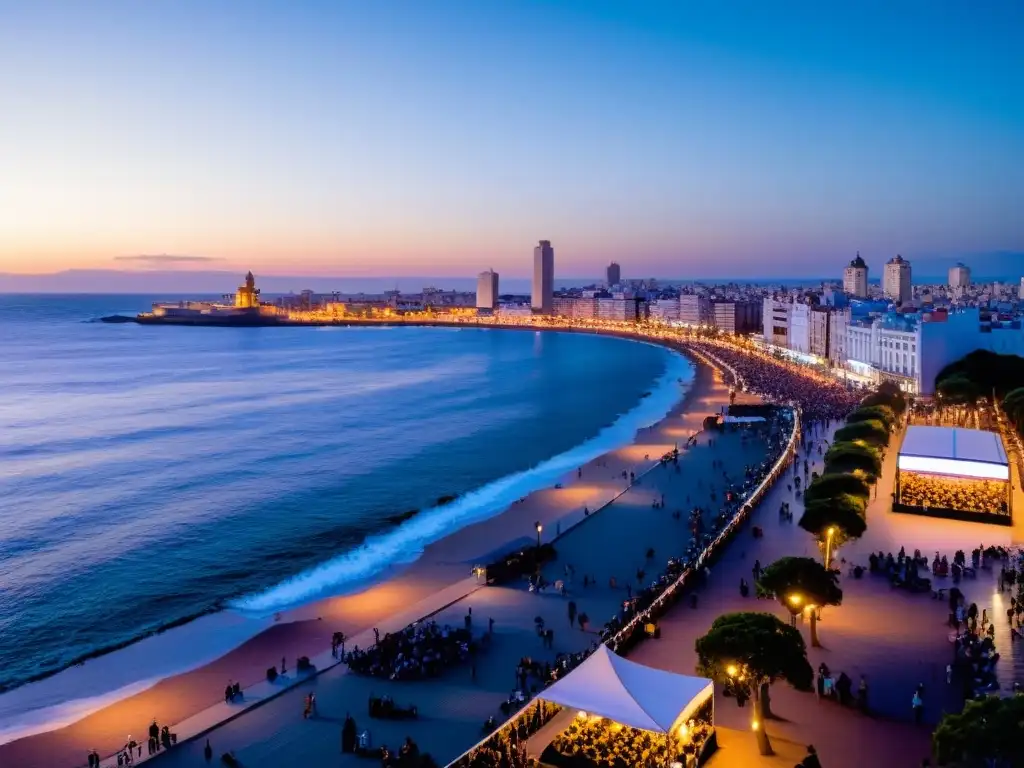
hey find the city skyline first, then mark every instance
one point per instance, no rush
(335, 140)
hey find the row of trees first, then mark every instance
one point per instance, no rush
(749, 651)
(984, 375)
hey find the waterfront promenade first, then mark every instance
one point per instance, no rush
(454, 707)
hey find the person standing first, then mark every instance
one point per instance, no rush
(917, 704)
(572, 613)
(208, 751)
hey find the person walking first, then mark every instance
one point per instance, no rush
(208, 751)
(917, 704)
(572, 613)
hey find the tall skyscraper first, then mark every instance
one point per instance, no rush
(959, 278)
(542, 295)
(614, 274)
(487, 290)
(896, 281)
(855, 278)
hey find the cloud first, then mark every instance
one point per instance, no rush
(165, 259)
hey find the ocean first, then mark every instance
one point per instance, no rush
(149, 475)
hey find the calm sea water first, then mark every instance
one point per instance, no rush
(150, 474)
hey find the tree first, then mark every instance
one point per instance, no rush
(872, 432)
(799, 583)
(957, 390)
(853, 457)
(828, 487)
(882, 413)
(896, 404)
(746, 653)
(842, 515)
(989, 729)
(1013, 407)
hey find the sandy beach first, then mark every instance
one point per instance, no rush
(453, 707)
(307, 630)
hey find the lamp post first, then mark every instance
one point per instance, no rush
(795, 602)
(539, 528)
(828, 546)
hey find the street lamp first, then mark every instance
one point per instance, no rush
(828, 546)
(795, 602)
(539, 528)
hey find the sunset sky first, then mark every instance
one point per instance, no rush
(442, 138)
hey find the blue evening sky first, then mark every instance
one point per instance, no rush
(443, 137)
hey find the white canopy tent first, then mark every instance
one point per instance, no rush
(629, 693)
(954, 451)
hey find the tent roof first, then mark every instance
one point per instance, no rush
(954, 443)
(629, 693)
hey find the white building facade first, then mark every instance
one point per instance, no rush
(487, 290)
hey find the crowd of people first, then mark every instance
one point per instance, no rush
(602, 742)
(821, 399)
(962, 494)
(421, 650)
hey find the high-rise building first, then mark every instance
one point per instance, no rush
(776, 316)
(695, 310)
(543, 292)
(855, 278)
(487, 290)
(959, 278)
(896, 283)
(736, 317)
(614, 274)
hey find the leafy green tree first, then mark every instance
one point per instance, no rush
(872, 432)
(799, 583)
(882, 413)
(1013, 407)
(830, 486)
(746, 653)
(989, 731)
(957, 390)
(894, 403)
(853, 457)
(835, 521)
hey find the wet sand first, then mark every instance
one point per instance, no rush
(307, 630)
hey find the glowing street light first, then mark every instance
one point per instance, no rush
(828, 546)
(539, 528)
(731, 670)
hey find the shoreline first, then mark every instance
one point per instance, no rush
(439, 565)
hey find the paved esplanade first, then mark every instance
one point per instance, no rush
(453, 709)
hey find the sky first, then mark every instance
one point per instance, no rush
(681, 139)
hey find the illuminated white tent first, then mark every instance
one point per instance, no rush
(629, 693)
(953, 451)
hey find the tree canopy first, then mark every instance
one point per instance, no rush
(987, 729)
(799, 582)
(882, 413)
(990, 372)
(803, 576)
(1013, 407)
(873, 432)
(844, 512)
(828, 487)
(746, 652)
(957, 390)
(756, 648)
(851, 457)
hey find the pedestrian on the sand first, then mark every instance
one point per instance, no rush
(208, 751)
(572, 612)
